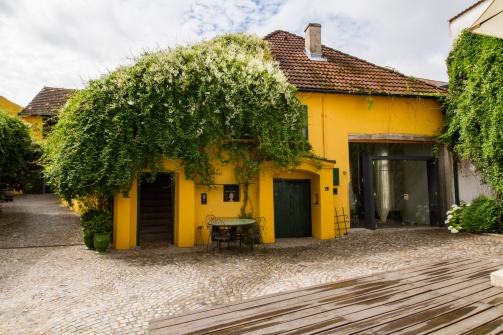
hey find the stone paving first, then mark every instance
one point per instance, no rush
(50, 284)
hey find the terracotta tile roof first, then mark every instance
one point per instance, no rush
(341, 72)
(48, 101)
(437, 83)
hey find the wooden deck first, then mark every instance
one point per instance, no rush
(448, 297)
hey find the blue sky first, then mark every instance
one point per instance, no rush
(64, 43)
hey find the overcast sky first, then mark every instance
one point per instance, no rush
(64, 43)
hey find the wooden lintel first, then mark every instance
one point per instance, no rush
(400, 138)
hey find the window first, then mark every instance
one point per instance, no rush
(231, 193)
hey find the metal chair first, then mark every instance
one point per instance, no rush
(217, 234)
(207, 221)
(256, 232)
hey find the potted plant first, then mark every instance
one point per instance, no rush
(98, 223)
(86, 223)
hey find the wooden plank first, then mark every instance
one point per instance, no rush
(319, 312)
(278, 311)
(355, 289)
(454, 315)
(408, 315)
(463, 320)
(331, 320)
(491, 328)
(346, 286)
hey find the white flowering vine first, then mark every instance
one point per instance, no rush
(188, 104)
(454, 216)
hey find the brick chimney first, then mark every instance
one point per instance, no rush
(313, 42)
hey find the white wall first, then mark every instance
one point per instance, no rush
(470, 183)
(465, 20)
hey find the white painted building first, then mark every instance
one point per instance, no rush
(469, 183)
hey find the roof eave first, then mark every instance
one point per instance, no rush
(333, 91)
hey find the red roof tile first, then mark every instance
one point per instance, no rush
(49, 101)
(341, 72)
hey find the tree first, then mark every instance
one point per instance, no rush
(221, 100)
(474, 106)
(19, 153)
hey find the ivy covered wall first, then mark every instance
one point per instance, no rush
(474, 106)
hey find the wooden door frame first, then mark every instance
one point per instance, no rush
(138, 211)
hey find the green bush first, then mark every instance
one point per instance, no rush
(482, 216)
(96, 221)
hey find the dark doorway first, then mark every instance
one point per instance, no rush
(393, 185)
(155, 210)
(292, 208)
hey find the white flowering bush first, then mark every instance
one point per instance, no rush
(454, 218)
(188, 104)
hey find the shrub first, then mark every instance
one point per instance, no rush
(96, 221)
(454, 218)
(482, 216)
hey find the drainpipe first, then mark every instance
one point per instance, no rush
(323, 117)
(456, 183)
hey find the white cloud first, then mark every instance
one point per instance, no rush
(64, 43)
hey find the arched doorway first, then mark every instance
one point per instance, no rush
(292, 208)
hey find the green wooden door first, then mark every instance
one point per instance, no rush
(292, 208)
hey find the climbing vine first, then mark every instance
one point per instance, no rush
(474, 106)
(19, 154)
(221, 100)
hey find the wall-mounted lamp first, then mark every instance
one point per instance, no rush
(204, 198)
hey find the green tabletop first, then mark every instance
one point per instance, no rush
(232, 222)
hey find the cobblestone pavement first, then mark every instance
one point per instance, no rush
(49, 283)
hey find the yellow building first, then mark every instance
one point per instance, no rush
(10, 106)
(41, 113)
(44, 107)
(373, 127)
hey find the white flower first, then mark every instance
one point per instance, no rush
(447, 221)
(450, 227)
(454, 231)
(449, 217)
(448, 212)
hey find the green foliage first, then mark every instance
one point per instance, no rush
(188, 104)
(474, 106)
(96, 221)
(19, 153)
(454, 220)
(482, 216)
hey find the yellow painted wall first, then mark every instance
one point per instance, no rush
(190, 213)
(333, 116)
(9, 106)
(36, 123)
